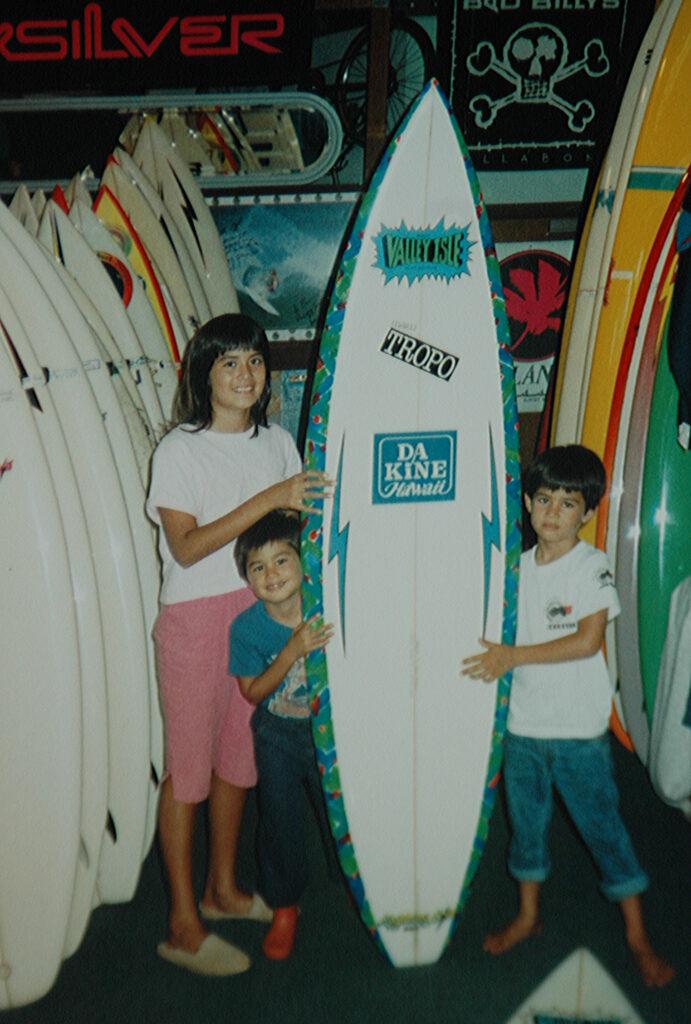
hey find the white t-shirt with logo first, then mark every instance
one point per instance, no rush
(207, 474)
(565, 699)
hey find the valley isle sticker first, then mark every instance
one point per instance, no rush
(414, 467)
(423, 252)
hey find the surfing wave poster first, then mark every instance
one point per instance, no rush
(281, 250)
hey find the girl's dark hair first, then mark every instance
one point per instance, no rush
(570, 466)
(226, 333)
(280, 524)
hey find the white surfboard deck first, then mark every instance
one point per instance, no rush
(182, 195)
(125, 472)
(77, 190)
(127, 374)
(81, 261)
(94, 736)
(579, 990)
(38, 201)
(156, 241)
(110, 212)
(40, 796)
(598, 245)
(131, 289)
(409, 748)
(29, 275)
(139, 429)
(670, 745)
(23, 210)
(134, 494)
(147, 189)
(188, 142)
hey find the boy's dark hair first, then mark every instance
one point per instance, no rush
(571, 466)
(225, 333)
(277, 525)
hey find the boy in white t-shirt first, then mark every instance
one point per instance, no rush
(561, 700)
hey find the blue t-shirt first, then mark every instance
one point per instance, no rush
(255, 641)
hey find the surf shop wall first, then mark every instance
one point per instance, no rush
(274, 104)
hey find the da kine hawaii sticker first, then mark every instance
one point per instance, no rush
(414, 467)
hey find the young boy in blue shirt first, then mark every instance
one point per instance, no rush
(561, 700)
(268, 644)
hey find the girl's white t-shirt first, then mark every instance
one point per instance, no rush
(566, 699)
(207, 474)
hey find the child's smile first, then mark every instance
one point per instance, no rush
(274, 572)
(237, 381)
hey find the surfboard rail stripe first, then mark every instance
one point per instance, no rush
(626, 356)
(318, 548)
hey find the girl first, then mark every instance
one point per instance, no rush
(214, 474)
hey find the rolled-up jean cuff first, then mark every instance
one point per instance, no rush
(528, 876)
(617, 893)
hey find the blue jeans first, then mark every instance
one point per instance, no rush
(286, 762)
(582, 773)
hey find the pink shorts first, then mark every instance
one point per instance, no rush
(207, 719)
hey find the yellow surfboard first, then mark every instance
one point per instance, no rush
(661, 156)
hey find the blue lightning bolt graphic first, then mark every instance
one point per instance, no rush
(338, 544)
(490, 530)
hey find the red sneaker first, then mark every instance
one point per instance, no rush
(278, 941)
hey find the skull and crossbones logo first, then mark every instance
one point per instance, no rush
(534, 61)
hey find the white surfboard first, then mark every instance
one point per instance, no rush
(147, 189)
(81, 261)
(140, 431)
(38, 201)
(577, 991)
(158, 244)
(110, 212)
(89, 623)
(23, 264)
(23, 209)
(134, 494)
(183, 197)
(670, 746)
(40, 739)
(131, 289)
(93, 776)
(188, 142)
(419, 546)
(77, 189)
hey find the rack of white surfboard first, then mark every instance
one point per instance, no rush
(97, 301)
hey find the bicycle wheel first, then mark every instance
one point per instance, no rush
(410, 63)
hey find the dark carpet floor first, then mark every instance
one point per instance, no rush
(337, 975)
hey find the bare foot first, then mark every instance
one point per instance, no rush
(521, 928)
(655, 971)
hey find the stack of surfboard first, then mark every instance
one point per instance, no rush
(614, 391)
(95, 309)
(232, 140)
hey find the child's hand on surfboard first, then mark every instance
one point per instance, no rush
(304, 489)
(312, 634)
(491, 663)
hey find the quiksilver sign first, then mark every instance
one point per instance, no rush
(86, 45)
(419, 354)
(414, 253)
(414, 467)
